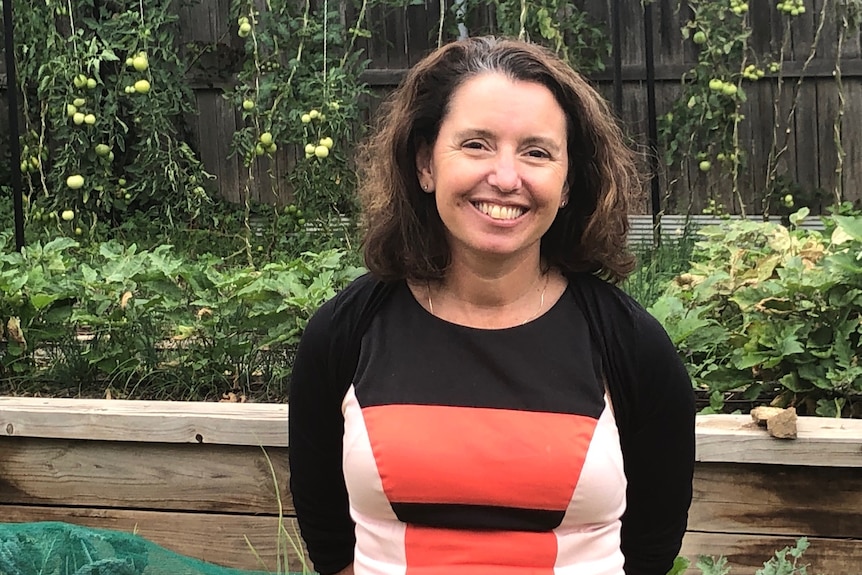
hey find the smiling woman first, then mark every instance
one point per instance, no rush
(483, 401)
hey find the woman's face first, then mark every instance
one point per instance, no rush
(498, 167)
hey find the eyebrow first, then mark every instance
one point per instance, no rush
(531, 141)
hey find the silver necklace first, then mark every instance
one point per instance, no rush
(534, 316)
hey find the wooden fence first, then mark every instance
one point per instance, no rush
(193, 477)
(401, 36)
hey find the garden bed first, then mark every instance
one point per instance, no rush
(193, 477)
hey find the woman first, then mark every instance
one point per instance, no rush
(485, 400)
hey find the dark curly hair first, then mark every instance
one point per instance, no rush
(404, 237)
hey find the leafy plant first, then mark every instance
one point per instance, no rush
(149, 323)
(103, 101)
(700, 134)
(786, 561)
(772, 313)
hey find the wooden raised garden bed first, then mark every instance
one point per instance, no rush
(193, 477)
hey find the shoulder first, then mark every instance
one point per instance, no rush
(348, 312)
(611, 306)
(347, 304)
(640, 359)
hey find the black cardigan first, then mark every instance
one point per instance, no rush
(649, 387)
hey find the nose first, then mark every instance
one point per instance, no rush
(504, 173)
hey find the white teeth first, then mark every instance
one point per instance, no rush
(498, 212)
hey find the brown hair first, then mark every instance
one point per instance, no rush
(404, 237)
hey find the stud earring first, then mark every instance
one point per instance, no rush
(564, 203)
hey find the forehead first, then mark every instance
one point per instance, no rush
(498, 99)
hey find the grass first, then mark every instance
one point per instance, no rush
(657, 266)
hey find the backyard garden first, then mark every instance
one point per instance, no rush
(177, 187)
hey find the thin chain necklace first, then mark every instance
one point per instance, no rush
(531, 318)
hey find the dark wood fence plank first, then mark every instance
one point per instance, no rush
(807, 134)
(852, 138)
(824, 151)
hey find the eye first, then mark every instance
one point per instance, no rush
(474, 145)
(537, 153)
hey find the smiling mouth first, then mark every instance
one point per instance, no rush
(498, 212)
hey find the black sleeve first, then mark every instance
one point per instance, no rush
(658, 451)
(316, 428)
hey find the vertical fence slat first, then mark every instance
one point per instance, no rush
(807, 130)
(826, 152)
(852, 138)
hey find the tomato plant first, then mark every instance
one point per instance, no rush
(102, 104)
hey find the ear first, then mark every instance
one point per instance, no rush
(564, 198)
(424, 166)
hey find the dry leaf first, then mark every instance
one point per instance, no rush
(108, 394)
(231, 397)
(13, 329)
(124, 300)
(204, 311)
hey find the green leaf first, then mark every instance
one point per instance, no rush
(712, 566)
(799, 216)
(680, 564)
(41, 300)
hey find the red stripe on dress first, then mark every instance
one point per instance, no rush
(478, 456)
(456, 552)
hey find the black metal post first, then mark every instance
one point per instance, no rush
(618, 56)
(655, 195)
(14, 136)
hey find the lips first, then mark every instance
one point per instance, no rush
(498, 212)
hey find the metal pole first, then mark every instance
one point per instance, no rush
(618, 56)
(651, 113)
(14, 136)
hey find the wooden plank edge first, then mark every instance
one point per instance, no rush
(821, 442)
(254, 424)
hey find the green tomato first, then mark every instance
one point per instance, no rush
(140, 62)
(705, 166)
(75, 181)
(699, 37)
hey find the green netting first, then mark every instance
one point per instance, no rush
(55, 548)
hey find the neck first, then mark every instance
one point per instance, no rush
(487, 285)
